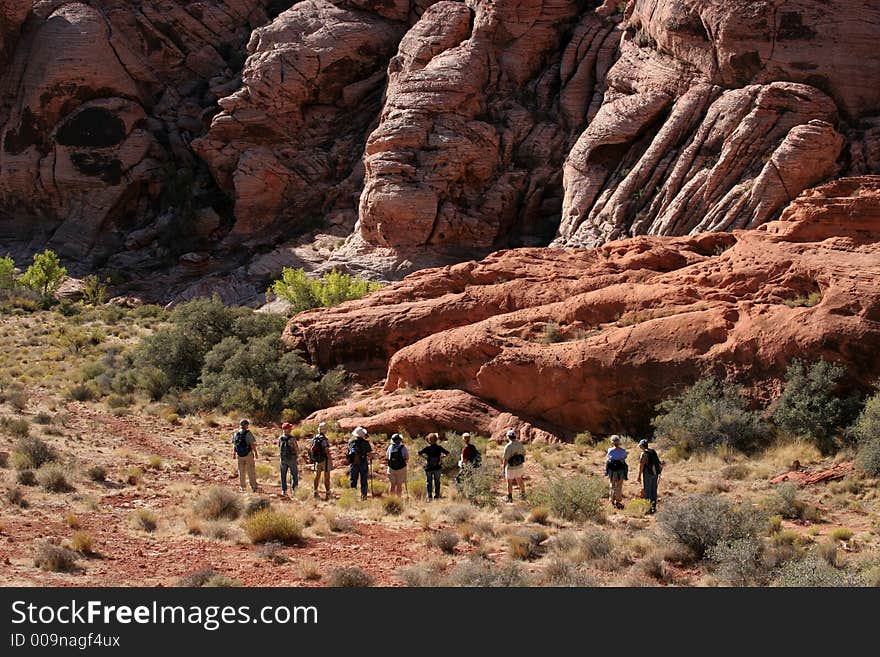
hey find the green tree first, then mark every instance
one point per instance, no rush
(709, 414)
(94, 292)
(7, 273)
(44, 275)
(809, 405)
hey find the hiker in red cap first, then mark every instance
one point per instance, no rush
(288, 450)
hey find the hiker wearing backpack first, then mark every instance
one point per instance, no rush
(469, 459)
(433, 454)
(359, 455)
(288, 450)
(245, 452)
(397, 456)
(650, 468)
(319, 456)
(512, 464)
(616, 470)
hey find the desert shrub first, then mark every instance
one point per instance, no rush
(340, 524)
(654, 566)
(145, 520)
(810, 406)
(526, 545)
(44, 275)
(459, 513)
(867, 426)
(81, 392)
(841, 534)
(4, 459)
(560, 572)
(16, 497)
(573, 498)
(700, 522)
(331, 289)
(95, 292)
(445, 540)
(32, 452)
(268, 525)
(271, 551)
(349, 577)
(207, 578)
(421, 574)
(637, 508)
(26, 478)
(784, 502)
(735, 471)
(477, 485)
(739, 562)
(218, 502)
(257, 376)
(392, 505)
(257, 504)
(709, 414)
(482, 573)
(15, 427)
(133, 475)
(7, 273)
(595, 544)
(813, 571)
(81, 543)
(42, 418)
(828, 551)
(53, 478)
(868, 457)
(539, 514)
(96, 473)
(55, 558)
(550, 334)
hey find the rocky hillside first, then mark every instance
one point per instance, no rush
(196, 146)
(563, 340)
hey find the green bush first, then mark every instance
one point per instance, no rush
(868, 457)
(94, 292)
(7, 273)
(700, 522)
(331, 289)
(709, 414)
(784, 502)
(867, 426)
(477, 485)
(53, 478)
(574, 498)
(15, 427)
(44, 275)
(810, 406)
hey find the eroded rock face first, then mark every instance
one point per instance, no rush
(481, 102)
(717, 114)
(593, 339)
(101, 100)
(287, 143)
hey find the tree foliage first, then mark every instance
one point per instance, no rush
(44, 275)
(331, 289)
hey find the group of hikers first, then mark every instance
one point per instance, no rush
(359, 457)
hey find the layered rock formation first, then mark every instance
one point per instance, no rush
(593, 339)
(158, 135)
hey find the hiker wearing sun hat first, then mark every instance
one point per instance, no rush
(245, 452)
(616, 470)
(650, 468)
(397, 456)
(359, 455)
(288, 450)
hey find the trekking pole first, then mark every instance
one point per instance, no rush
(370, 463)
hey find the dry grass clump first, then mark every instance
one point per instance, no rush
(563, 573)
(269, 525)
(485, 573)
(26, 478)
(81, 542)
(53, 478)
(257, 504)
(145, 520)
(526, 544)
(55, 558)
(97, 473)
(540, 515)
(422, 574)
(392, 505)
(445, 540)
(207, 578)
(271, 552)
(15, 497)
(349, 577)
(133, 475)
(218, 502)
(31, 453)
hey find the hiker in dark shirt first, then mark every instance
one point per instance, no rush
(650, 467)
(288, 450)
(359, 456)
(433, 454)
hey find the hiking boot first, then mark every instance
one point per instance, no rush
(509, 497)
(363, 497)
(317, 495)
(436, 497)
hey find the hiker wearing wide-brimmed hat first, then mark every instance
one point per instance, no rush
(359, 456)
(650, 467)
(319, 455)
(616, 470)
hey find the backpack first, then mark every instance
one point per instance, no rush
(316, 449)
(475, 460)
(516, 460)
(356, 451)
(285, 451)
(615, 464)
(654, 462)
(239, 441)
(395, 459)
